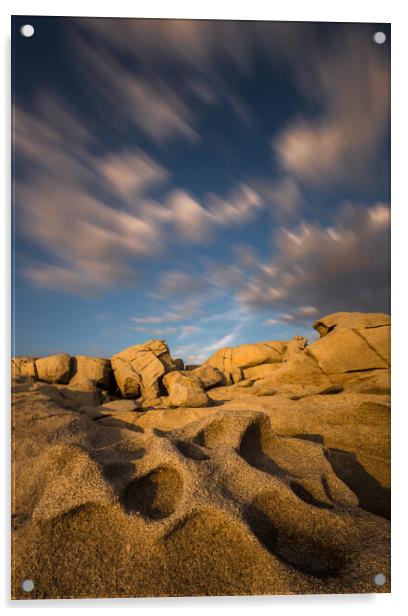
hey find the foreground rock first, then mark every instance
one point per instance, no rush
(252, 496)
(139, 369)
(54, 368)
(185, 390)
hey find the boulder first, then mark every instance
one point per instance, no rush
(299, 376)
(139, 369)
(127, 379)
(94, 369)
(178, 363)
(261, 372)
(247, 355)
(54, 368)
(346, 350)
(83, 393)
(208, 376)
(350, 320)
(185, 390)
(23, 367)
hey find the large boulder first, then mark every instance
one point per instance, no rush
(232, 360)
(23, 367)
(54, 368)
(94, 369)
(139, 369)
(208, 376)
(261, 372)
(348, 350)
(185, 390)
(299, 376)
(350, 320)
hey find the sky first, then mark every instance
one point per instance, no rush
(210, 183)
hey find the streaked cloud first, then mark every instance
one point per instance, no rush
(322, 269)
(349, 83)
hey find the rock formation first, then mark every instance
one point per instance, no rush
(139, 369)
(265, 470)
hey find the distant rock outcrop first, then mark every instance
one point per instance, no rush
(353, 352)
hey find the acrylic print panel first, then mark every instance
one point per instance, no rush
(201, 358)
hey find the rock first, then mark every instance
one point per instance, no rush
(345, 350)
(296, 345)
(247, 355)
(140, 368)
(54, 368)
(53, 393)
(23, 367)
(127, 379)
(372, 382)
(121, 405)
(265, 387)
(208, 376)
(260, 372)
(379, 338)
(162, 402)
(350, 320)
(185, 390)
(178, 363)
(83, 393)
(299, 376)
(191, 366)
(95, 369)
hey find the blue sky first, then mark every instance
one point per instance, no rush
(206, 182)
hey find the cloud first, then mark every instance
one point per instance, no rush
(131, 172)
(154, 331)
(195, 46)
(283, 196)
(195, 221)
(242, 203)
(318, 269)
(91, 214)
(348, 81)
(188, 216)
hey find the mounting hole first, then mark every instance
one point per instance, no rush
(379, 37)
(27, 585)
(379, 579)
(27, 30)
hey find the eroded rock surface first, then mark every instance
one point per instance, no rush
(247, 478)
